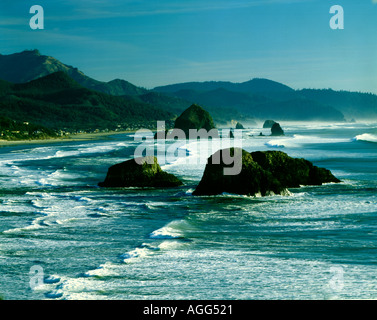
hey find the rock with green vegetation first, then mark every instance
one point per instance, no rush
(292, 172)
(139, 172)
(195, 117)
(276, 130)
(251, 180)
(262, 173)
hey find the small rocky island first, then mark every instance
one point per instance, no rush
(276, 130)
(139, 172)
(239, 126)
(195, 117)
(262, 173)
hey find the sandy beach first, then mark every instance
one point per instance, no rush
(73, 137)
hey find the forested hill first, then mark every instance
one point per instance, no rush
(254, 99)
(354, 105)
(30, 65)
(56, 101)
(263, 98)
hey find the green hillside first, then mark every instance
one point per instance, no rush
(30, 65)
(257, 98)
(56, 101)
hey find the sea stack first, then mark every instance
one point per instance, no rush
(139, 172)
(276, 130)
(195, 117)
(261, 173)
(239, 126)
(252, 179)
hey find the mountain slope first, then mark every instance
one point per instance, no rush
(253, 86)
(256, 98)
(30, 65)
(259, 98)
(57, 101)
(354, 105)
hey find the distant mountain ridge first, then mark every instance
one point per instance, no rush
(31, 65)
(254, 99)
(57, 101)
(259, 98)
(256, 85)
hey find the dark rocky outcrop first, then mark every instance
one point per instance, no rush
(263, 173)
(252, 179)
(139, 172)
(292, 172)
(268, 124)
(195, 117)
(276, 130)
(239, 126)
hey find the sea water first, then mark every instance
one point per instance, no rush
(80, 241)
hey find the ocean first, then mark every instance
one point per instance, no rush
(63, 237)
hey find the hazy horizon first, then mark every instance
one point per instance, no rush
(155, 44)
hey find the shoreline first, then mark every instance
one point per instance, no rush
(74, 137)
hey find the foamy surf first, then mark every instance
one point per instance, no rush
(173, 230)
(190, 247)
(367, 137)
(141, 252)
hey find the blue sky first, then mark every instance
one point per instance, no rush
(151, 43)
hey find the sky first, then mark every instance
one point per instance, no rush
(154, 43)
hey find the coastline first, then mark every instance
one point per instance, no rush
(70, 138)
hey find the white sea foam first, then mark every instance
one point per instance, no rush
(173, 230)
(298, 140)
(136, 253)
(171, 245)
(35, 225)
(38, 203)
(366, 137)
(276, 144)
(104, 270)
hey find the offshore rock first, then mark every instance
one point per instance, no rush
(195, 117)
(261, 173)
(276, 130)
(139, 172)
(239, 126)
(251, 180)
(292, 172)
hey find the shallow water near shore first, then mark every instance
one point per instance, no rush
(94, 243)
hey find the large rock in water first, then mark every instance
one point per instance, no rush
(252, 179)
(276, 130)
(292, 172)
(139, 172)
(239, 126)
(262, 173)
(195, 117)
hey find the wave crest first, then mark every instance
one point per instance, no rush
(368, 137)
